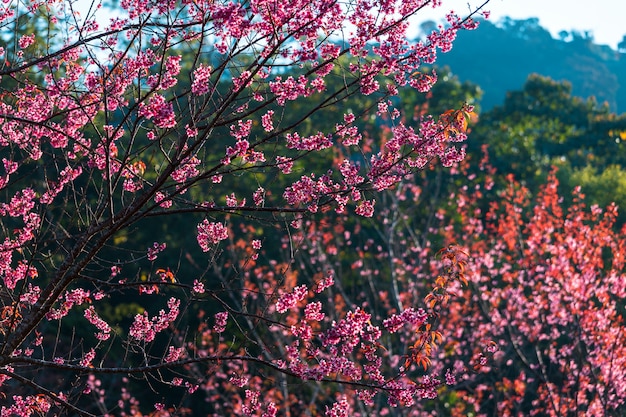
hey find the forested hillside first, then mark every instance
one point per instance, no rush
(500, 55)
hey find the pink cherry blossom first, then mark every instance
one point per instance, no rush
(202, 76)
(211, 233)
(26, 40)
(220, 322)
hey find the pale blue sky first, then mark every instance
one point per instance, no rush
(606, 19)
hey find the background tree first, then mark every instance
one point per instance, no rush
(622, 45)
(549, 282)
(539, 330)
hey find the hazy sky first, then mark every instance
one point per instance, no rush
(606, 19)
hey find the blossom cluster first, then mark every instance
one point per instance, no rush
(155, 250)
(410, 316)
(289, 89)
(145, 329)
(326, 282)
(220, 322)
(201, 78)
(211, 233)
(73, 297)
(159, 110)
(350, 331)
(167, 78)
(66, 176)
(289, 300)
(103, 327)
(187, 169)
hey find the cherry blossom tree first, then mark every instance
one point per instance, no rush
(549, 286)
(539, 329)
(164, 207)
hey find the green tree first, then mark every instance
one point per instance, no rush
(542, 126)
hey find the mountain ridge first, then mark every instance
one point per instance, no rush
(500, 56)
